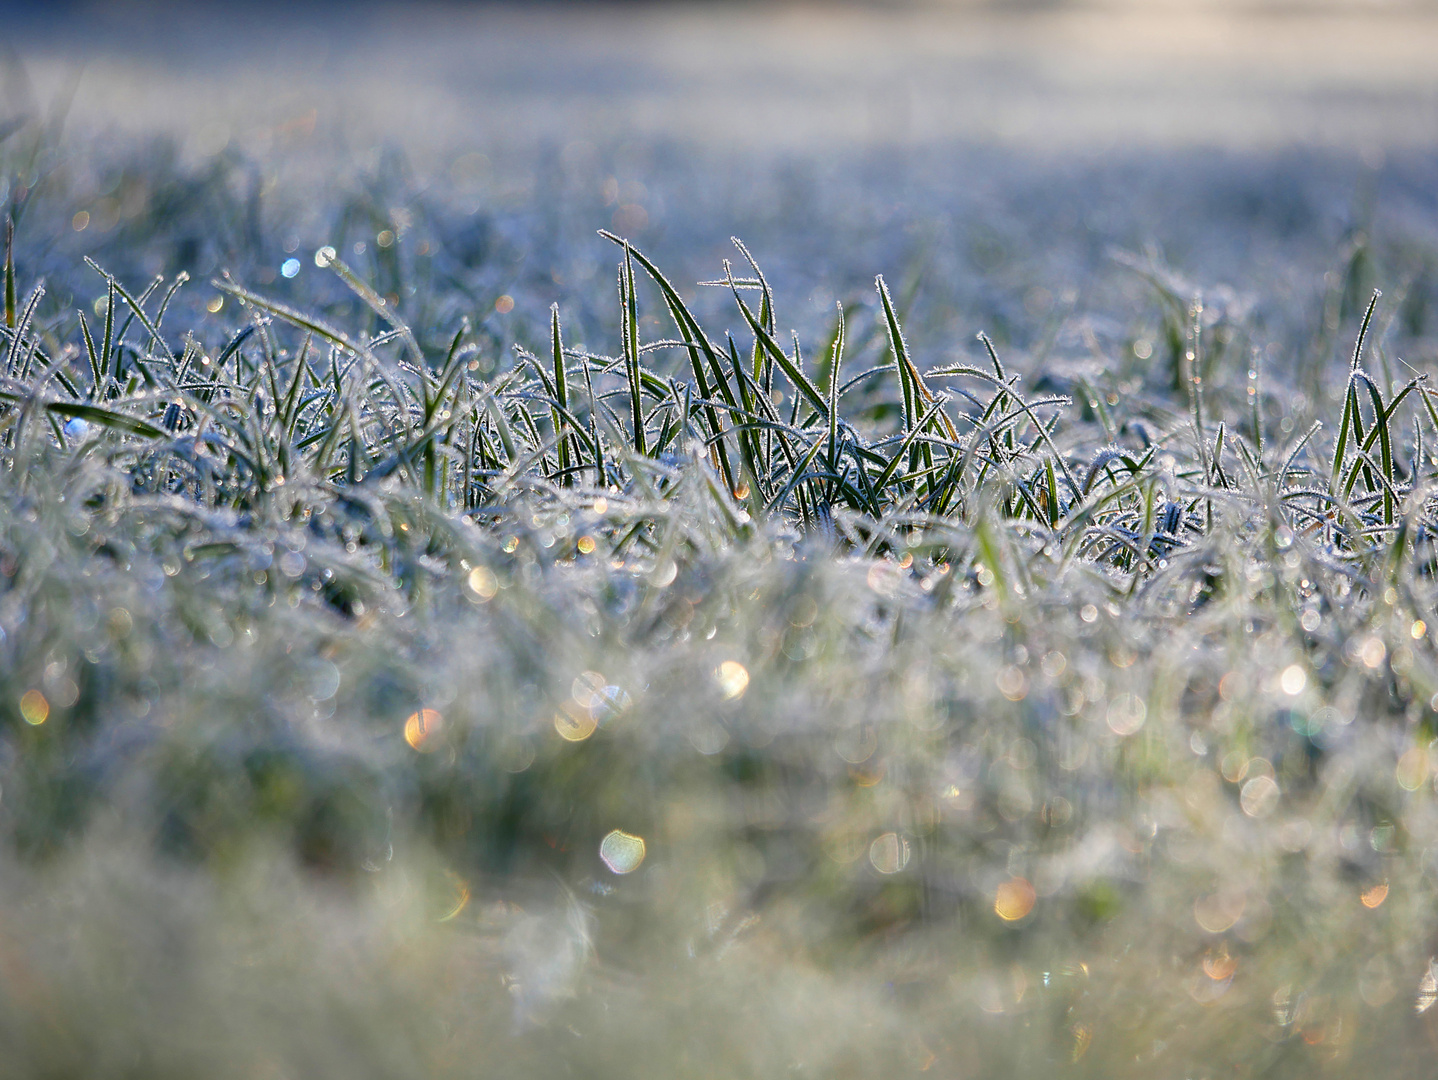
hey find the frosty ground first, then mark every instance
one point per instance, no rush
(674, 696)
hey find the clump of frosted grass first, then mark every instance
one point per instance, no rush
(724, 703)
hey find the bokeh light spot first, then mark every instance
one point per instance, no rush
(733, 678)
(1259, 796)
(622, 852)
(421, 729)
(889, 853)
(574, 722)
(1412, 769)
(1218, 912)
(1014, 899)
(1372, 652)
(586, 689)
(1126, 714)
(34, 708)
(1012, 683)
(483, 583)
(1218, 964)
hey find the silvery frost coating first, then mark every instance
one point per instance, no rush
(667, 694)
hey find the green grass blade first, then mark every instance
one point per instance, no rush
(561, 396)
(797, 378)
(1363, 330)
(136, 307)
(97, 372)
(106, 418)
(836, 359)
(9, 272)
(107, 348)
(629, 327)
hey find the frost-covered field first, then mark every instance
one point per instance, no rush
(766, 677)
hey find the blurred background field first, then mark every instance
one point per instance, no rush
(363, 713)
(1009, 148)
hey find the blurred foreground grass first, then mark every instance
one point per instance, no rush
(377, 701)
